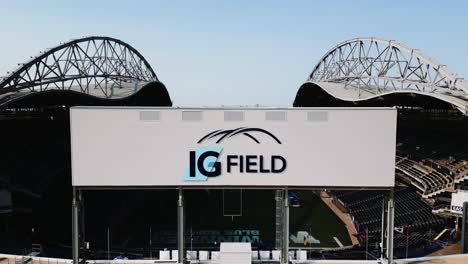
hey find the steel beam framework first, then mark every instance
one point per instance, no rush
(371, 67)
(98, 66)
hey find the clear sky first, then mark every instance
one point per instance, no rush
(211, 53)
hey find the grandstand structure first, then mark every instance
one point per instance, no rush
(433, 177)
(410, 211)
(432, 154)
(34, 112)
(373, 72)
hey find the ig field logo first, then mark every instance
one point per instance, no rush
(204, 163)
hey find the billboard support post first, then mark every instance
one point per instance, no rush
(180, 226)
(75, 227)
(390, 225)
(383, 242)
(464, 235)
(285, 227)
(81, 219)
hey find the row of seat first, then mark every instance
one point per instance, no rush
(444, 164)
(431, 180)
(410, 211)
(414, 240)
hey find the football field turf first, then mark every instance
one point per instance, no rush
(258, 213)
(314, 217)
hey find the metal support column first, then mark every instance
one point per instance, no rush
(82, 227)
(390, 226)
(82, 222)
(464, 238)
(279, 215)
(383, 241)
(75, 227)
(284, 254)
(180, 226)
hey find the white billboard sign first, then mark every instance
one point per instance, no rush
(300, 147)
(458, 198)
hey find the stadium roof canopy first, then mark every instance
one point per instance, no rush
(94, 67)
(362, 70)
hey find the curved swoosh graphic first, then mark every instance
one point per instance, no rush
(228, 133)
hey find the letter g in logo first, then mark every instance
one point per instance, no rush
(203, 164)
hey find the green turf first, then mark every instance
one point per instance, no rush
(204, 212)
(316, 218)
